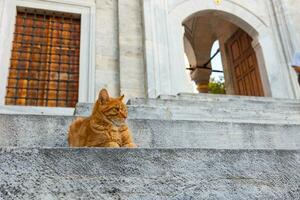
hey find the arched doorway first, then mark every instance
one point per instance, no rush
(241, 69)
(164, 47)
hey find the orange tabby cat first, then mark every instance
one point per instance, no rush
(106, 126)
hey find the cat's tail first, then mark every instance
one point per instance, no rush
(74, 132)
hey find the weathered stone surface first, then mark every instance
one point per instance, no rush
(209, 122)
(84, 109)
(211, 108)
(107, 47)
(217, 100)
(33, 130)
(131, 49)
(119, 48)
(149, 174)
(291, 12)
(51, 131)
(33, 110)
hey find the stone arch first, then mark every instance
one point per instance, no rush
(203, 29)
(233, 12)
(171, 16)
(189, 51)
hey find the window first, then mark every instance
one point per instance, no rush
(44, 66)
(81, 13)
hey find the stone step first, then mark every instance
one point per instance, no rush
(51, 131)
(166, 111)
(35, 173)
(202, 113)
(220, 108)
(215, 97)
(225, 114)
(230, 103)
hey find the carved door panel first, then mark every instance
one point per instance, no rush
(243, 65)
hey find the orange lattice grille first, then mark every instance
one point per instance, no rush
(44, 69)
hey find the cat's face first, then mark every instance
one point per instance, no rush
(113, 108)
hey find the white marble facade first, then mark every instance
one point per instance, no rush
(139, 47)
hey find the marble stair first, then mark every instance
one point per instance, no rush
(190, 147)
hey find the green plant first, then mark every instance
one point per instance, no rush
(216, 87)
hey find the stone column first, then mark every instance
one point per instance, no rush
(131, 49)
(107, 56)
(1, 11)
(201, 79)
(286, 39)
(262, 67)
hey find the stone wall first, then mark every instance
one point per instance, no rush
(1, 16)
(119, 47)
(293, 14)
(284, 20)
(1, 10)
(107, 55)
(131, 52)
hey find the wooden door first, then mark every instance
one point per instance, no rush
(243, 65)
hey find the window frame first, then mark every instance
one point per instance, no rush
(86, 8)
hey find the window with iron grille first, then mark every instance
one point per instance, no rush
(44, 69)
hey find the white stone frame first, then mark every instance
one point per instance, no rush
(164, 49)
(87, 10)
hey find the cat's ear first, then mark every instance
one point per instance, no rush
(103, 96)
(121, 97)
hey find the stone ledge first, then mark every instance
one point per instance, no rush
(35, 110)
(51, 131)
(148, 174)
(191, 96)
(217, 102)
(203, 113)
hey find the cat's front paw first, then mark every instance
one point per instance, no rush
(130, 145)
(112, 145)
